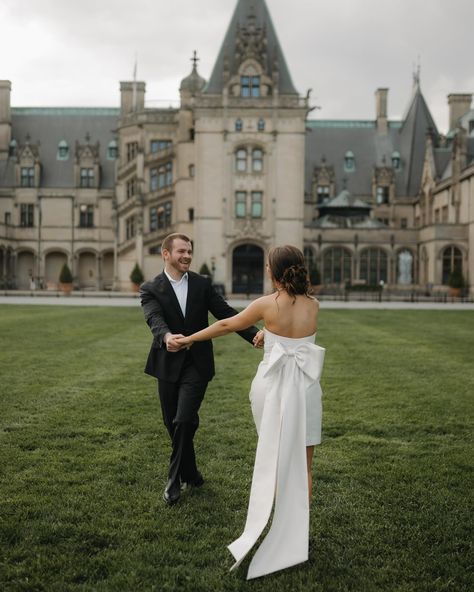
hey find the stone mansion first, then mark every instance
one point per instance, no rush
(239, 166)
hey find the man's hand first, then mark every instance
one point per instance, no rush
(183, 341)
(258, 340)
(171, 344)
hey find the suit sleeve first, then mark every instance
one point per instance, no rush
(154, 316)
(221, 310)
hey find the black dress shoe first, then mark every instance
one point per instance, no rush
(196, 481)
(172, 492)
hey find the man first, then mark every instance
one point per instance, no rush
(177, 303)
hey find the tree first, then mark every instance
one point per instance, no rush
(456, 279)
(137, 277)
(65, 276)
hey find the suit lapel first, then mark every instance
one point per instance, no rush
(164, 287)
(192, 291)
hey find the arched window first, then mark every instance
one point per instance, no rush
(241, 160)
(63, 150)
(112, 150)
(261, 125)
(308, 257)
(452, 260)
(396, 161)
(337, 265)
(238, 125)
(405, 267)
(373, 266)
(349, 161)
(257, 160)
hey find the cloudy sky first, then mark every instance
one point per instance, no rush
(74, 53)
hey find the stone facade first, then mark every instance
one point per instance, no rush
(239, 166)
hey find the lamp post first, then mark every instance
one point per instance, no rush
(213, 267)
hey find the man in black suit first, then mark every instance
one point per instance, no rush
(176, 303)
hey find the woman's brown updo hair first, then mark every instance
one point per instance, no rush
(288, 268)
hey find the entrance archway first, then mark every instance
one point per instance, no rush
(25, 270)
(52, 268)
(247, 270)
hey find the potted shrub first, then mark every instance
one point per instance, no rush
(65, 279)
(204, 270)
(455, 283)
(136, 277)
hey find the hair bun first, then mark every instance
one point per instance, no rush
(295, 279)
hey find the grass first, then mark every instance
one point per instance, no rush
(83, 458)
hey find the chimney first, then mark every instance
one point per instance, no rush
(459, 105)
(5, 118)
(132, 97)
(381, 95)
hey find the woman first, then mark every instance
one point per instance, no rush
(286, 406)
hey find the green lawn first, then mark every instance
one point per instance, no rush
(83, 458)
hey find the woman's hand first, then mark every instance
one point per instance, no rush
(258, 340)
(184, 342)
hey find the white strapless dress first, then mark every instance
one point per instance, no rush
(286, 404)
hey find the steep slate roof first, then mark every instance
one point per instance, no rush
(331, 139)
(243, 10)
(49, 126)
(413, 140)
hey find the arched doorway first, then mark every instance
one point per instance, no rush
(452, 261)
(247, 270)
(108, 270)
(337, 265)
(52, 268)
(373, 266)
(87, 270)
(25, 270)
(405, 267)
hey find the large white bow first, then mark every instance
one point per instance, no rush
(280, 464)
(309, 357)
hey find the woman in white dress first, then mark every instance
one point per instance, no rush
(286, 405)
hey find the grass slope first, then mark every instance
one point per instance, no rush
(83, 458)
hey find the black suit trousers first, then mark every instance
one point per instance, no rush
(180, 403)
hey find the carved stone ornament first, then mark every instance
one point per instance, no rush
(251, 43)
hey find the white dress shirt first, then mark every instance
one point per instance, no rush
(180, 288)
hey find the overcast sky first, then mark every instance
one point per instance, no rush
(74, 53)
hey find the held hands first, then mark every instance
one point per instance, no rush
(183, 341)
(172, 342)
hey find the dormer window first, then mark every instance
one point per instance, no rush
(382, 195)
(238, 125)
(63, 150)
(396, 161)
(471, 126)
(87, 177)
(249, 86)
(112, 150)
(261, 125)
(349, 162)
(27, 177)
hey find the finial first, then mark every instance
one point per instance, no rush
(88, 137)
(28, 138)
(195, 60)
(416, 72)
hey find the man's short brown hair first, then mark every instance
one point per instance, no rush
(167, 243)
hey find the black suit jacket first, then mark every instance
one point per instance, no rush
(163, 315)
